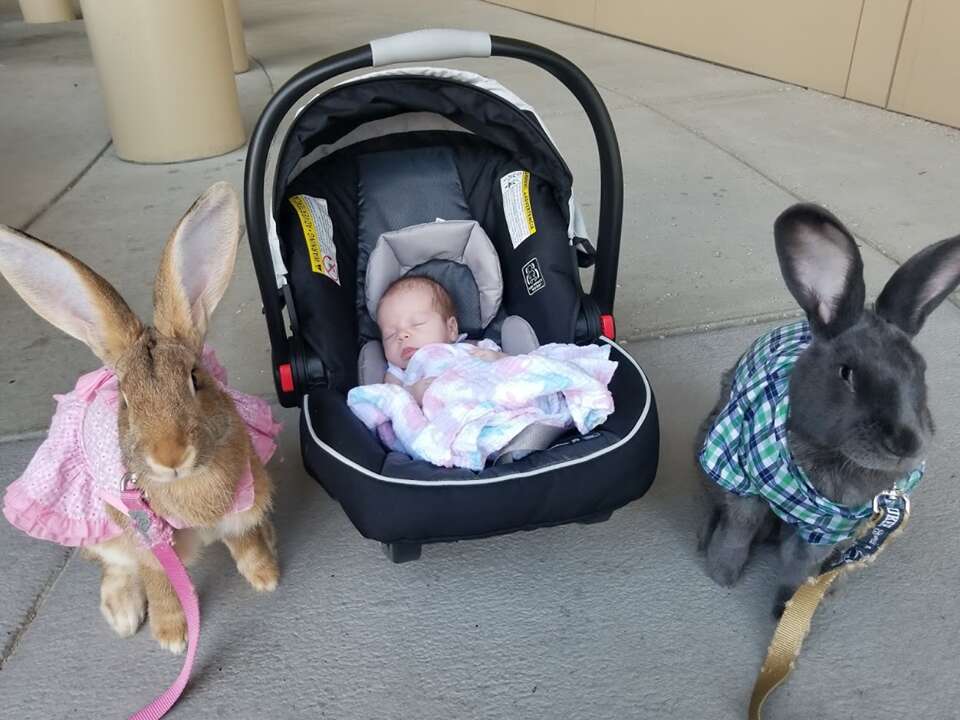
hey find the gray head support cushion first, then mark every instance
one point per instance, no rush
(457, 254)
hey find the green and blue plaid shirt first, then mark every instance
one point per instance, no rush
(746, 451)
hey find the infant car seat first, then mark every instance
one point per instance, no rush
(448, 174)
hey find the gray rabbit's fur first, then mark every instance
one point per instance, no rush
(859, 419)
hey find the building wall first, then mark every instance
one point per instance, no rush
(898, 54)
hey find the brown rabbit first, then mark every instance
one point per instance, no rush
(179, 431)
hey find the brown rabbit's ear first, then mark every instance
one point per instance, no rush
(68, 294)
(197, 264)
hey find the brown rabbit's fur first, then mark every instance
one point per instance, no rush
(201, 498)
(180, 433)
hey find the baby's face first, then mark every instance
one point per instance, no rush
(408, 320)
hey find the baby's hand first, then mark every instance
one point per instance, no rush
(488, 355)
(419, 388)
(416, 390)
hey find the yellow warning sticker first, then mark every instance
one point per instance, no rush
(527, 207)
(517, 208)
(318, 235)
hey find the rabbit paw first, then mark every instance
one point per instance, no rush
(725, 564)
(263, 575)
(256, 556)
(784, 593)
(707, 529)
(123, 603)
(170, 630)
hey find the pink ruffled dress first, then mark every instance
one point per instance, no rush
(61, 495)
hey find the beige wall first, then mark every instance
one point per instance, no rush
(927, 78)
(899, 54)
(770, 37)
(875, 51)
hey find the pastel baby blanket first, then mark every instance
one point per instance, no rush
(475, 406)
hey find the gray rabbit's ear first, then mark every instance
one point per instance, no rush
(920, 284)
(821, 266)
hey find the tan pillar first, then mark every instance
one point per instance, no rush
(238, 47)
(47, 11)
(167, 78)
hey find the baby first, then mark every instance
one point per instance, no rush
(457, 404)
(414, 312)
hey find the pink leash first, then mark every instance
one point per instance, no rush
(158, 536)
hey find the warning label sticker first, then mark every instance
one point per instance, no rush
(318, 234)
(517, 210)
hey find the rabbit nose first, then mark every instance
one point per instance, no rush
(170, 454)
(901, 441)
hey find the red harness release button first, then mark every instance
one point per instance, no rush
(286, 377)
(608, 327)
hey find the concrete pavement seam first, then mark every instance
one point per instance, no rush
(747, 164)
(953, 299)
(266, 74)
(703, 96)
(13, 643)
(67, 188)
(701, 328)
(17, 437)
(34, 434)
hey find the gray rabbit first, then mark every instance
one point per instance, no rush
(820, 416)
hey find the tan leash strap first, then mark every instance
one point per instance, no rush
(891, 510)
(788, 638)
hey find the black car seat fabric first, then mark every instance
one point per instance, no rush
(540, 280)
(397, 189)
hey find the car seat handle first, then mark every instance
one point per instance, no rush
(604, 287)
(416, 46)
(427, 45)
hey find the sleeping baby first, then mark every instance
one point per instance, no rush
(455, 403)
(415, 312)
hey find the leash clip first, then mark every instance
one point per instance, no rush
(128, 481)
(891, 498)
(152, 528)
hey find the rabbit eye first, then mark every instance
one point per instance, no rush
(846, 374)
(194, 382)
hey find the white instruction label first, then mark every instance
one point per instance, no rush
(318, 234)
(517, 210)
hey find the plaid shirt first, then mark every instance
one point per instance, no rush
(746, 451)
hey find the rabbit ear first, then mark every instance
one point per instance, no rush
(197, 264)
(920, 284)
(68, 294)
(822, 267)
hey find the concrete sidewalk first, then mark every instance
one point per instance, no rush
(616, 620)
